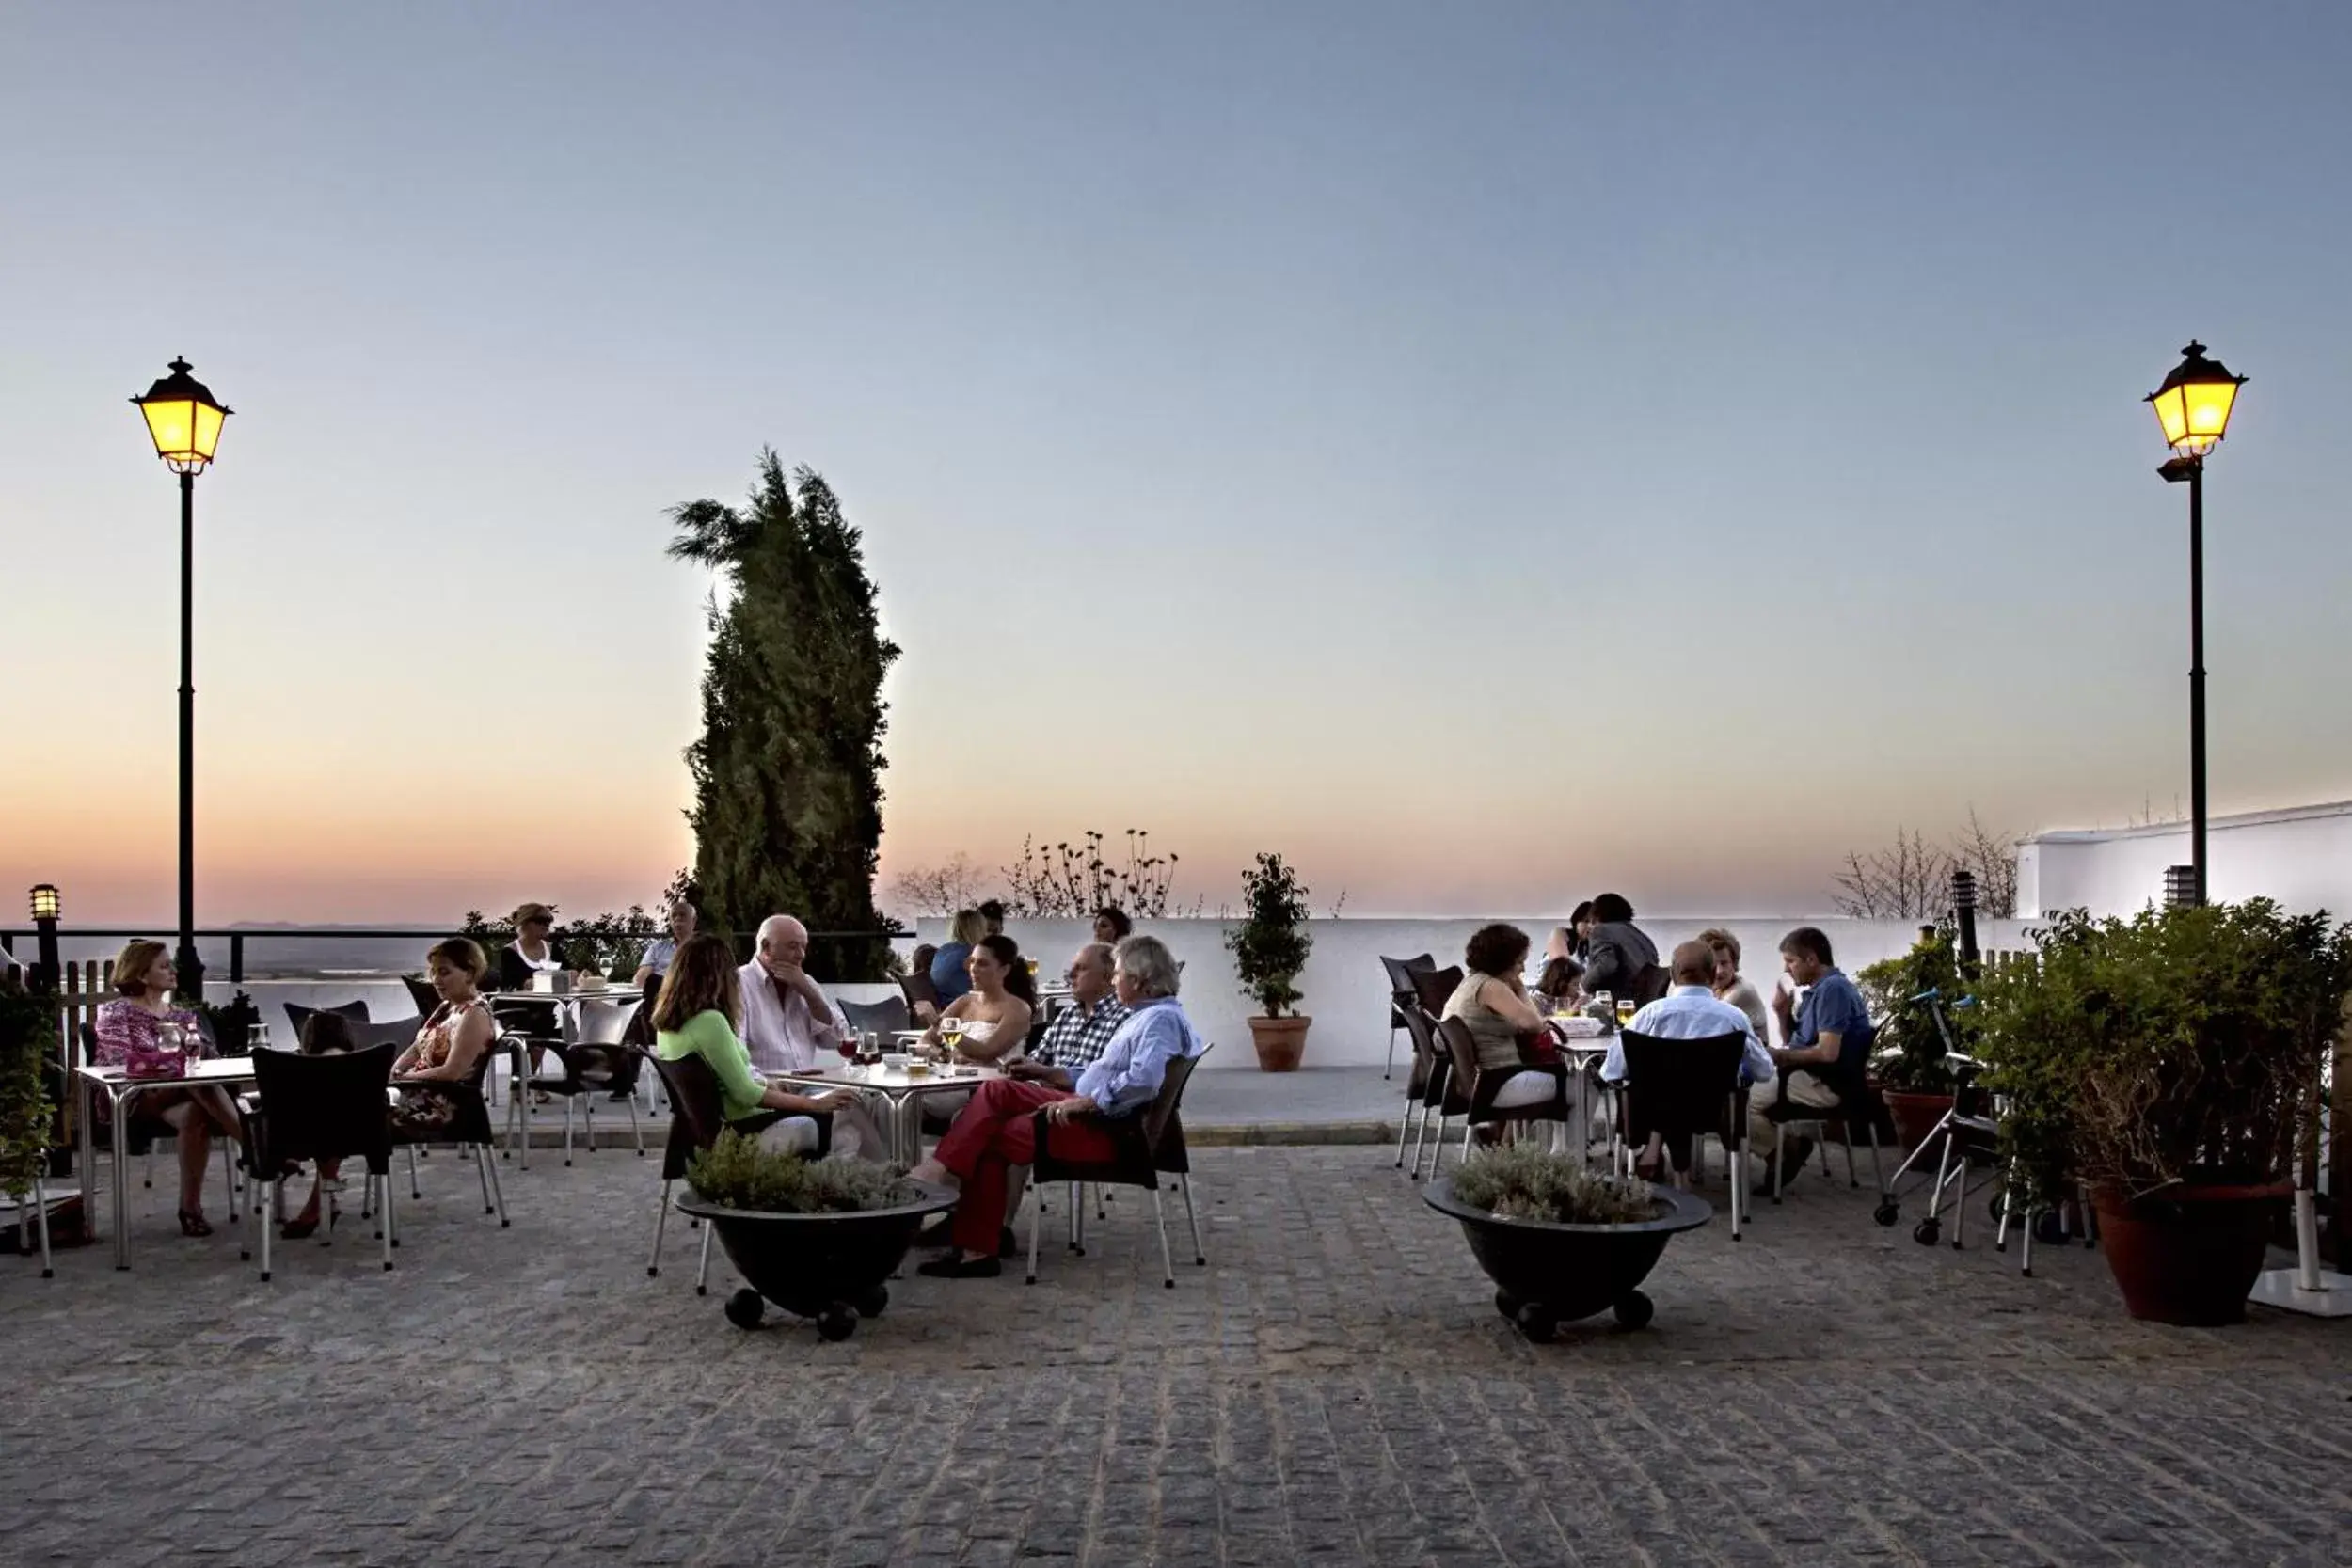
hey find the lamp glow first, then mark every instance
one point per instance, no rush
(184, 419)
(46, 904)
(2193, 405)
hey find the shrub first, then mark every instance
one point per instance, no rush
(1527, 1184)
(2187, 1042)
(735, 1173)
(1271, 943)
(28, 1038)
(1911, 1050)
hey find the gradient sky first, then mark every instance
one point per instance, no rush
(1487, 452)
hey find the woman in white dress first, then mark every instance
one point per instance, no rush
(992, 1020)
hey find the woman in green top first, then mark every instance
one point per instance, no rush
(701, 997)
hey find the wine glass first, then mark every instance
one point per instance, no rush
(1625, 1013)
(951, 1030)
(1605, 1004)
(849, 1045)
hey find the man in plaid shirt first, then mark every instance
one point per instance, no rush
(1080, 1033)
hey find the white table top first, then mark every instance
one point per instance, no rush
(211, 1069)
(889, 1079)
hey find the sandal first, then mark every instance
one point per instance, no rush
(193, 1223)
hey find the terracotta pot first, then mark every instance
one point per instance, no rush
(1915, 1115)
(2188, 1255)
(1281, 1041)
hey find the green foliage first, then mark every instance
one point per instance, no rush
(28, 1038)
(1271, 943)
(1523, 1183)
(735, 1173)
(787, 791)
(1909, 1050)
(609, 944)
(2184, 1041)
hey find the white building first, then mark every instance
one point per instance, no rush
(2301, 856)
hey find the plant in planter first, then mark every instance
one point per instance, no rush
(1909, 1065)
(28, 1038)
(817, 1237)
(1558, 1242)
(2172, 1062)
(1269, 948)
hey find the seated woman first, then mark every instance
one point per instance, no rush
(531, 953)
(922, 996)
(999, 1131)
(994, 1016)
(450, 1043)
(1561, 985)
(694, 1016)
(948, 973)
(1497, 1012)
(144, 978)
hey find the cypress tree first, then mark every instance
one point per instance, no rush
(787, 786)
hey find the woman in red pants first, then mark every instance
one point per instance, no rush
(997, 1130)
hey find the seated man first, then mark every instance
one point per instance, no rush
(1076, 1038)
(1829, 1041)
(996, 1132)
(1690, 1011)
(790, 1024)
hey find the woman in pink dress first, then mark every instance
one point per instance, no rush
(131, 1025)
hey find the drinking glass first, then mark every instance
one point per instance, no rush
(951, 1030)
(1606, 1002)
(1625, 1013)
(257, 1037)
(848, 1046)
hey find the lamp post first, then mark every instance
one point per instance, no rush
(2193, 407)
(184, 421)
(47, 906)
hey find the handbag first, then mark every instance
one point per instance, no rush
(164, 1056)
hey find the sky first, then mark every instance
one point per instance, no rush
(1488, 454)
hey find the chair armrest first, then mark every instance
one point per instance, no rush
(1489, 1082)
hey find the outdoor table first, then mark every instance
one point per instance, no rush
(1584, 1054)
(903, 1089)
(121, 1092)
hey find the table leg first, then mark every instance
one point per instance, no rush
(115, 1100)
(88, 1165)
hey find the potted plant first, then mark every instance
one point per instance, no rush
(2172, 1062)
(1269, 948)
(1909, 1065)
(1560, 1243)
(28, 1040)
(817, 1237)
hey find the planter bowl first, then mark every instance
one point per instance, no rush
(1547, 1273)
(2189, 1253)
(830, 1267)
(1280, 1041)
(1914, 1115)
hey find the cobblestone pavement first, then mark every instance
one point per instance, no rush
(1335, 1388)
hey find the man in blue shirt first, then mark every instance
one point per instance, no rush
(997, 1129)
(1828, 1043)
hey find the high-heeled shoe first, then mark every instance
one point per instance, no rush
(194, 1224)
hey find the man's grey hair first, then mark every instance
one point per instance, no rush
(776, 923)
(1099, 952)
(1150, 964)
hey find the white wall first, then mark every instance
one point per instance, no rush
(1347, 991)
(2302, 858)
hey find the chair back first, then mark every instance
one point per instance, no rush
(297, 1014)
(917, 988)
(695, 1104)
(1433, 1069)
(1461, 1049)
(421, 995)
(1650, 983)
(884, 1017)
(324, 1107)
(399, 1033)
(604, 1023)
(1163, 1129)
(1682, 1085)
(1401, 993)
(1435, 987)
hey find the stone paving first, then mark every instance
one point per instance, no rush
(1335, 1388)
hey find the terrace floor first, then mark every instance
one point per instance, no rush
(1334, 1388)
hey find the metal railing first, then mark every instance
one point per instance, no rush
(236, 935)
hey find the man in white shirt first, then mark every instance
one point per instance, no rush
(1690, 1010)
(790, 1024)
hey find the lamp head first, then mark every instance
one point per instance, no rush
(2193, 405)
(184, 418)
(46, 904)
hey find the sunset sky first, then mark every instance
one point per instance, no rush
(1488, 454)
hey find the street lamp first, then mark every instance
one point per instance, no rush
(2193, 407)
(184, 420)
(47, 906)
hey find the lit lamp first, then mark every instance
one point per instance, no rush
(184, 419)
(1965, 915)
(2193, 405)
(47, 906)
